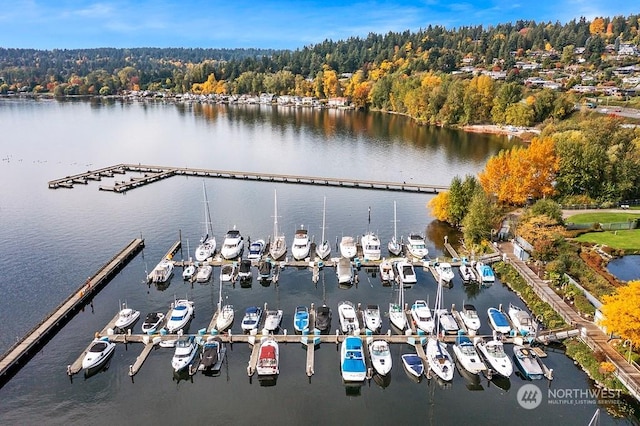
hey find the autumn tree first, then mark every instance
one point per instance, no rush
(621, 312)
(439, 206)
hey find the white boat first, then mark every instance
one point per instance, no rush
(447, 322)
(370, 246)
(185, 352)
(413, 364)
(405, 274)
(445, 272)
(268, 357)
(323, 318)
(301, 319)
(225, 317)
(228, 272)
(394, 246)
(470, 317)
(466, 273)
(204, 273)
(386, 271)
(498, 320)
(251, 319)
(528, 362)
(397, 316)
(440, 361)
(98, 353)
(348, 320)
(233, 244)
(207, 246)
(352, 364)
(256, 249)
(189, 272)
(272, 319)
(344, 271)
(180, 315)
(467, 356)
(152, 322)
(493, 353)
(348, 247)
(301, 244)
(485, 273)
(126, 317)
(372, 318)
(522, 321)
(416, 246)
(212, 355)
(421, 315)
(323, 250)
(244, 270)
(380, 356)
(278, 245)
(162, 272)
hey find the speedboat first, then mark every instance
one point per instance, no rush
(372, 319)
(278, 245)
(485, 273)
(348, 247)
(352, 363)
(447, 321)
(264, 270)
(498, 320)
(162, 272)
(344, 271)
(323, 250)
(251, 319)
(207, 246)
(212, 354)
(152, 322)
(323, 318)
(445, 272)
(228, 272)
(180, 315)
(522, 321)
(185, 353)
(126, 317)
(244, 271)
(301, 244)
(528, 362)
(189, 272)
(394, 246)
(268, 357)
(204, 273)
(493, 353)
(256, 248)
(348, 320)
(397, 316)
(233, 245)
(301, 318)
(413, 365)
(225, 317)
(405, 274)
(467, 355)
(470, 317)
(370, 246)
(386, 271)
(272, 319)
(421, 315)
(466, 273)
(440, 361)
(380, 356)
(98, 353)
(416, 246)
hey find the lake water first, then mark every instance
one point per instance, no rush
(54, 239)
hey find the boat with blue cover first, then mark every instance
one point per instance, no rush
(498, 320)
(352, 363)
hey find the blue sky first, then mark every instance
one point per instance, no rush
(279, 24)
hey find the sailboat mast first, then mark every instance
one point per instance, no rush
(395, 223)
(324, 209)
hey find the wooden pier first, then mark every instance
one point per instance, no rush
(150, 174)
(20, 353)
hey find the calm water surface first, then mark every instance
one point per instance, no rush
(54, 239)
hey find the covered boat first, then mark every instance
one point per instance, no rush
(268, 358)
(323, 318)
(498, 320)
(256, 249)
(413, 365)
(348, 320)
(212, 355)
(352, 364)
(251, 319)
(344, 271)
(522, 321)
(301, 318)
(528, 362)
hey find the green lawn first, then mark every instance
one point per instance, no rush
(625, 240)
(603, 217)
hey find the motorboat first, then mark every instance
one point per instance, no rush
(416, 246)
(272, 319)
(413, 365)
(447, 322)
(185, 352)
(268, 357)
(344, 271)
(421, 315)
(207, 246)
(528, 362)
(445, 272)
(152, 322)
(485, 273)
(470, 317)
(226, 315)
(244, 270)
(397, 316)
(348, 320)
(228, 272)
(180, 315)
(301, 244)
(467, 355)
(370, 247)
(189, 272)
(352, 364)
(256, 249)
(126, 317)
(264, 269)
(252, 317)
(323, 249)
(498, 320)
(386, 271)
(466, 273)
(522, 321)
(233, 245)
(440, 361)
(212, 354)
(394, 246)
(380, 356)
(278, 244)
(161, 273)
(323, 318)
(301, 318)
(372, 318)
(98, 354)
(204, 273)
(405, 274)
(493, 353)
(348, 247)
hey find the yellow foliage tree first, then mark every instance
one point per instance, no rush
(439, 206)
(596, 26)
(621, 312)
(330, 83)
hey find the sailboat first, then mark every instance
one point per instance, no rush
(394, 246)
(397, 315)
(208, 242)
(323, 250)
(440, 361)
(278, 246)
(225, 314)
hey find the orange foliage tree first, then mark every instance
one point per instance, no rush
(621, 312)
(439, 206)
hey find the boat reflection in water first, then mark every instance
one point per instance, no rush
(500, 381)
(473, 382)
(382, 381)
(182, 376)
(353, 389)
